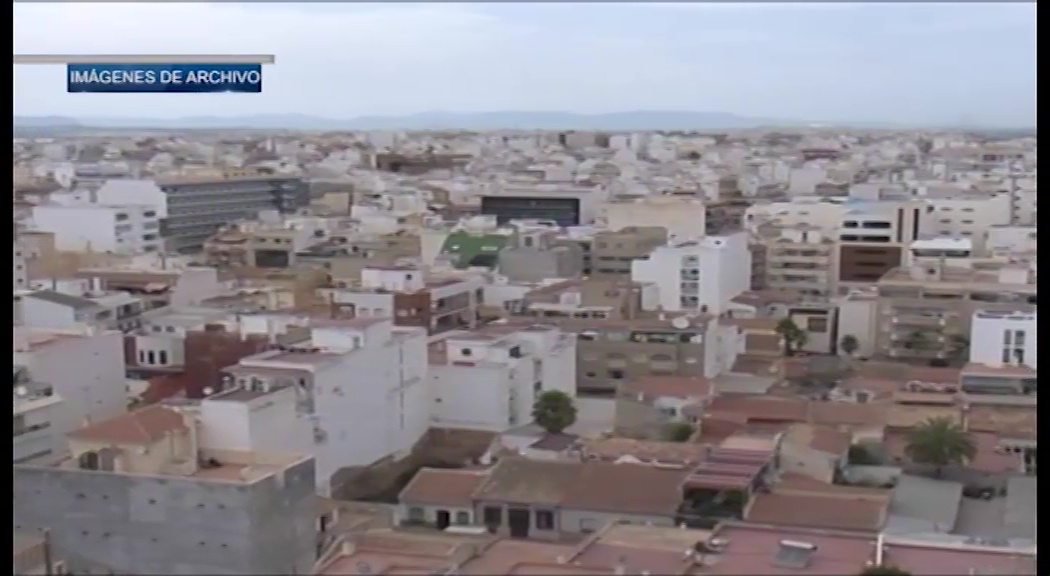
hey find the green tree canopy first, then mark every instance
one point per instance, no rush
(849, 344)
(554, 411)
(678, 432)
(940, 442)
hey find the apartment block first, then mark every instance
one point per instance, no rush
(563, 204)
(21, 272)
(725, 215)
(874, 237)
(40, 424)
(199, 204)
(84, 368)
(614, 252)
(533, 256)
(968, 215)
(411, 298)
(99, 309)
(598, 299)
(489, 379)
(701, 276)
(360, 381)
(926, 312)
(610, 352)
(682, 218)
(802, 261)
(159, 491)
(263, 244)
(1003, 353)
(116, 229)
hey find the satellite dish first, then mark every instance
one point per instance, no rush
(21, 391)
(208, 391)
(681, 322)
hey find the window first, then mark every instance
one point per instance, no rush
(416, 514)
(544, 520)
(616, 374)
(817, 325)
(466, 351)
(163, 357)
(493, 516)
(150, 359)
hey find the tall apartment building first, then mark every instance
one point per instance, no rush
(614, 252)
(159, 491)
(611, 352)
(198, 205)
(702, 275)
(361, 383)
(84, 368)
(117, 229)
(21, 272)
(925, 312)
(38, 419)
(802, 261)
(490, 379)
(1003, 354)
(406, 295)
(874, 237)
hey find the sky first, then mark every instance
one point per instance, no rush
(904, 63)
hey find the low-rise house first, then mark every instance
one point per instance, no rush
(645, 405)
(440, 498)
(817, 451)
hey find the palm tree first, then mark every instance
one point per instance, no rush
(849, 344)
(883, 570)
(790, 333)
(940, 442)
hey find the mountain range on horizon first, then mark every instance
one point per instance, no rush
(506, 120)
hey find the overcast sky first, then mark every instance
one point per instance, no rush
(909, 63)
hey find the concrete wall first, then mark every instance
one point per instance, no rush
(582, 521)
(410, 514)
(111, 523)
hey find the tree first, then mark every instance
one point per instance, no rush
(940, 442)
(793, 336)
(849, 344)
(678, 432)
(916, 340)
(554, 411)
(959, 347)
(884, 570)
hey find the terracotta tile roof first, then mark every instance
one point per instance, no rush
(847, 414)
(144, 426)
(813, 511)
(761, 408)
(442, 487)
(668, 386)
(931, 560)
(626, 489)
(820, 438)
(644, 450)
(752, 549)
(523, 481)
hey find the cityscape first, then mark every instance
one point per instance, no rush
(500, 343)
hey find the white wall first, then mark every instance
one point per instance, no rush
(724, 272)
(471, 397)
(995, 338)
(97, 228)
(86, 371)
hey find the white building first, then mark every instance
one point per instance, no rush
(703, 275)
(21, 274)
(49, 309)
(361, 383)
(86, 369)
(969, 215)
(1003, 339)
(1006, 240)
(489, 380)
(38, 420)
(823, 214)
(117, 229)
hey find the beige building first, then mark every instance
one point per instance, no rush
(584, 299)
(683, 217)
(612, 253)
(803, 261)
(924, 313)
